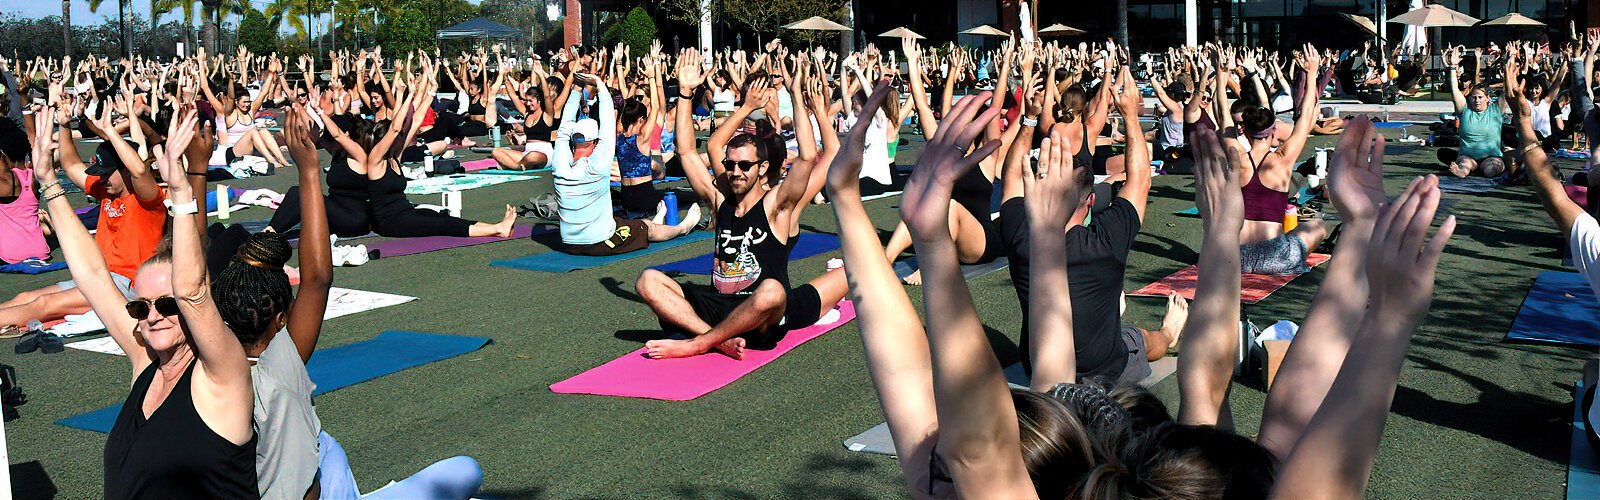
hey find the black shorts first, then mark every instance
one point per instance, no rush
(641, 197)
(802, 308)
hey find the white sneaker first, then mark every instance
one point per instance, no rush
(341, 256)
(358, 255)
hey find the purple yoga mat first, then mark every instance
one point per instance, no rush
(413, 246)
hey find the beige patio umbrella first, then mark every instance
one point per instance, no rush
(1513, 19)
(1365, 23)
(985, 30)
(1434, 16)
(901, 32)
(1059, 29)
(816, 23)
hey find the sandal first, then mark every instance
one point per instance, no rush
(12, 331)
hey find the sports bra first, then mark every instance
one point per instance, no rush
(539, 131)
(1262, 203)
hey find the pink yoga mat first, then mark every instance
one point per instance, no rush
(1252, 287)
(476, 165)
(1578, 194)
(635, 376)
(412, 246)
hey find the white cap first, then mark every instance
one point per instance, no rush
(588, 128)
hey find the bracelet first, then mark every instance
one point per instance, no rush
(1030, 122)
(190, 207)
(58, 194)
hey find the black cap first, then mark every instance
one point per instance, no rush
(106, 161)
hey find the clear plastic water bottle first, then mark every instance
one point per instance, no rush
(35, 326)
(670, 199)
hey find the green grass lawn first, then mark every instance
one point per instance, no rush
(1473, 416)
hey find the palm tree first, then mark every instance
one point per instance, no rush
(66, 26)
(291, 11)
(186, 7)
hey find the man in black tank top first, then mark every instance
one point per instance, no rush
(749, 301)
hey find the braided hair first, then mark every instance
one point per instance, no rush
(252, 290)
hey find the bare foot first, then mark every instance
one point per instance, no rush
(1177, 316)
(661, 213)
(733, 347)
(467, 143)
(691, 219)
(913, 279)
(1458, 170)
(505, 227)
(671, 348)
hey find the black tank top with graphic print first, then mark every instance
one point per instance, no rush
(747, 251)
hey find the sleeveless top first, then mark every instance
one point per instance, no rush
(391, 184)
(173, 454)
(342, 181)
(1083, 158)
(539, 131)
(974, 192)
(1262, 203)
(747, 251)
(631, 162)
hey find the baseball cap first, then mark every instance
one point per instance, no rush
(106, 161)
(586, 129)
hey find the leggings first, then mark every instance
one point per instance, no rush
(396, 217)
(1584, 106)
(348, 216)
(639, 197)
(222, 242)
(453, 478)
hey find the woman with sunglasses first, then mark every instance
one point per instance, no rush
(185, 430)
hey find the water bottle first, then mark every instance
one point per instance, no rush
(495, 133)
(670, 199)
(35, 326)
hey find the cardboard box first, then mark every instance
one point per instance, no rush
(1269, 357)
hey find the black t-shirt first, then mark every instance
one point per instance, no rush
(1097, 260)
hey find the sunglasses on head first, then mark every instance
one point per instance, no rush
(140, 308)
(739, 165)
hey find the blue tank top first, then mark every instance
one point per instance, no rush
(630, 161)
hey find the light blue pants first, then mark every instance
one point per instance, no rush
(454, 478)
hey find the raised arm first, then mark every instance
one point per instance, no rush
(896, 347)
(1052, 197)
(140, 182)
(978, 432)
(84, 260)
(1452, 60)
(1136, 189)
(919, 93)
(1211, 337)
(1334, 458)
(221, 357)
(1355, 186)
(694, 164)
(1291, 148)
(316, 253)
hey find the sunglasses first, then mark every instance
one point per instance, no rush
(739, 165)
(140, 308)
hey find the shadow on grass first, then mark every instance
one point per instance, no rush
(1516, 419)
(30, 481)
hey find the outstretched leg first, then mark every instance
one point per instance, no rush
(45, 307)
(661, 232)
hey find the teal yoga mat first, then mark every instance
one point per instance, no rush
(560, 262)
(341, 366)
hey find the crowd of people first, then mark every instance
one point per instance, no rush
(1034, 152)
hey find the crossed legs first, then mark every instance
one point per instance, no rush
(760, 311)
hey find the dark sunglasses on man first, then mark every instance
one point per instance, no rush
(140, 308)
(740, 165)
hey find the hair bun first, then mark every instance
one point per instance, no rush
(266, 250)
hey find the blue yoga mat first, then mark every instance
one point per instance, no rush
(341, 366)
(810, 244)
(969, 271)
(32, 267)
(1583, 466)
(657, 181)
(560, 262)
(1560, 309)
(1395, 124)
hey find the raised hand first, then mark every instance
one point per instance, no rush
(179, 132)
(1052, 192)
(298, 132)
(1355, 175)
(689, 69)
(44, 166)
(1400, 270)
(1217, 192)
(925, 206)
